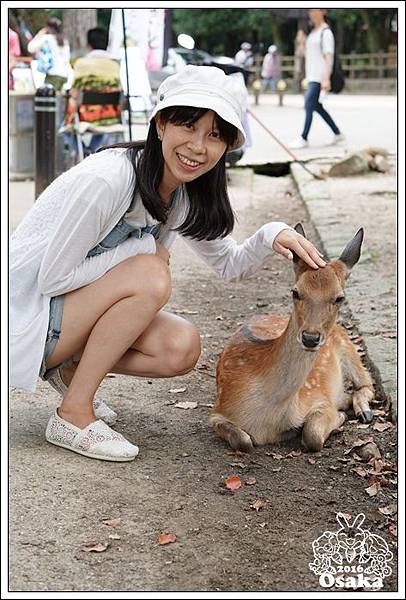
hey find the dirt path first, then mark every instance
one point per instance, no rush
(177, 484)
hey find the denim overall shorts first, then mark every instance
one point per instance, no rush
(121, 232)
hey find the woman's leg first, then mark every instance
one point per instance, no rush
(169, 346)
(319, 108)
(311, 99)
(105, 318)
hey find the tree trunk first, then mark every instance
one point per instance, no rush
(76, 23)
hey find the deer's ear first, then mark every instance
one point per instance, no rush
(298, 264)
(351, 253)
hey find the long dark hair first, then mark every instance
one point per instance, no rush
(55, 27)
(210, 215)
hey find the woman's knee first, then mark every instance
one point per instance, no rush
(150, 275)
(182, 350)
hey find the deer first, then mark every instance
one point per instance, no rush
(279, 375)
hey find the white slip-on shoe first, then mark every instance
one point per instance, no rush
(299, 143)
(96, 440)
(337, 138)
(100, 408)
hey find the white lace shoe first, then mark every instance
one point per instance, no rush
(299, 143)
(337, 138)
(96, 440)
(100, 409)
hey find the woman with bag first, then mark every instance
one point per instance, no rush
(53, 53)
(319, 65)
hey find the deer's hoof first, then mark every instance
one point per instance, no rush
(365, 416)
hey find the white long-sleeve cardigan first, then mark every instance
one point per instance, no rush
(48, 250)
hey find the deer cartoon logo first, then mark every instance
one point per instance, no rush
(351, 556)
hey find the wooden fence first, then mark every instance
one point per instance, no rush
(382, 65)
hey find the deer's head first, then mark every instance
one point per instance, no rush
(318, 294)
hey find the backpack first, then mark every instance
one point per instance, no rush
(337, 79)
(45, 59)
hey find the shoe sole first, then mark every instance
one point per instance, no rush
(89, 455)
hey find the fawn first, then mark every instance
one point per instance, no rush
(278, 374)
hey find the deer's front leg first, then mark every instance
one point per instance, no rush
(319, 425)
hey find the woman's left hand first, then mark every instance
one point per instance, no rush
(288, 241)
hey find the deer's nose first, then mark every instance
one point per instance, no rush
(310, 339)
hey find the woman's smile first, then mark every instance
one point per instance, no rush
(188, 163)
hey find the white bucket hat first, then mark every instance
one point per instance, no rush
(206, 87)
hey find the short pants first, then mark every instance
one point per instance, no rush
(54, 331)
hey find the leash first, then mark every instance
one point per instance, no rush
(286, 148)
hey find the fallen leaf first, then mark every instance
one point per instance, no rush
(275, 455)
(186, 405)
(177, 390)
(363, 426)
(360, 471)
(233, 482)
(369, 452)
(373, 489)
(391, 509)
(112, 522)
(334, 467)
(294, 454)
(393, 529)
(238, 464)
(344, 460)
(277, 469)
(382, 426)
(312, 461)
(258, 504)
(166, 538)
(234, 453)
(250, 481)
(114, 536)
(360, 442)
(95, 547)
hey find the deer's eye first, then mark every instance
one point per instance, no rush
(339, 300)
(295, 295)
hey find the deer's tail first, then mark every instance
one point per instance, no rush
(236, 437)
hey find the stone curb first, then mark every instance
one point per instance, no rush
(334, 233)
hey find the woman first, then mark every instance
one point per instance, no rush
(50, 39)
(319, 65)
(90, 262)
(271, 69)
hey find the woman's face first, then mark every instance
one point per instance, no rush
(189, 151)
(316, 15)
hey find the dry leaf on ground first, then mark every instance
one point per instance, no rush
(373, 489)
(95, 547)
(233, 482)
(166, 538)
(177, 390)
(114, 536)
(382, 426)
(234, 453)
(391, 509)
(250, 481)
(258, 504)
(186, 405)
(112, 522)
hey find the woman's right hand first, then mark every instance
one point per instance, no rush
(162, 252)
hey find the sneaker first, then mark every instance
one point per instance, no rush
(96, 440)
(299, 143)
(100, 408)
(337, 138)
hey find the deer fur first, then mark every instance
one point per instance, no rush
(278, 375)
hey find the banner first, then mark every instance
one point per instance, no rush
(144, 28)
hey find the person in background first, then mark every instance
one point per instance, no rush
(299, 64)
(97, 72)
(52, 40)
(14, 51)
(319, 65)
(244, 57)
(271, 69)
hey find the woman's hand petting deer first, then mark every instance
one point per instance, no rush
(90, 274)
